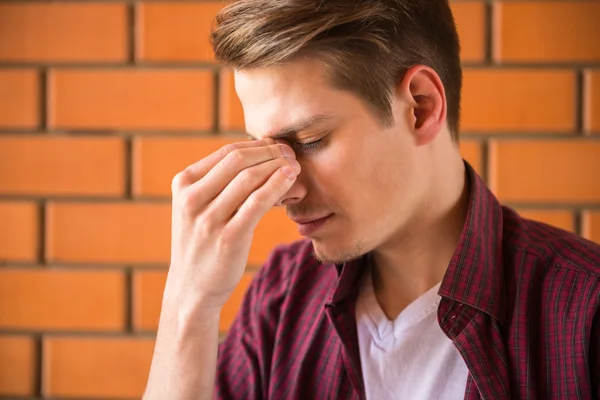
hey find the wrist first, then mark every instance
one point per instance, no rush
(188, 319)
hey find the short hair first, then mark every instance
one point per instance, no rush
(366, 45)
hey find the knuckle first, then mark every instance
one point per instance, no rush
(225, 239)
(247, 176)
(178, 181)
(227, 149)
(207, 225)
(237, 157)
(256, 203)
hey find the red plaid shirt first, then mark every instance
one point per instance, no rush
(520, 301)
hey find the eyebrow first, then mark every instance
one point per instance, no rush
(303, 124)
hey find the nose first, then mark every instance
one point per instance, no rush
(295, 194)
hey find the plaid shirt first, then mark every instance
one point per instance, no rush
(520, 301)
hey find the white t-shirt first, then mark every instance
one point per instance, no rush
(409, 358)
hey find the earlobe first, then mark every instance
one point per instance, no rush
(424, 91)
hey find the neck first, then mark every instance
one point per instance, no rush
(416, 259)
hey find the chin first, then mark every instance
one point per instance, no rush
(338, 253)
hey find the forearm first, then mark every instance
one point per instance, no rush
(185, 358)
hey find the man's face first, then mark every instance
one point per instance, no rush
(362, 175)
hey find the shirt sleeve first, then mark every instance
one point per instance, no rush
(244, 359)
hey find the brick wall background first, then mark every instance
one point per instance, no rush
(102, 102)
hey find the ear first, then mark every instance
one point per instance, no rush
(424, 92)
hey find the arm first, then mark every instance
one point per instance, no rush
(217, 204)
(185, 355)
(242, 362)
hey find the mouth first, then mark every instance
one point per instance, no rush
(308, 226)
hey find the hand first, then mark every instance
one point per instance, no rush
(217, 203)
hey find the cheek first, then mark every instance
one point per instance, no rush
(324, 169)
(328, 175)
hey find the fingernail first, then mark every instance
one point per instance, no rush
(289, 172)
(287, 151)
(295, 164)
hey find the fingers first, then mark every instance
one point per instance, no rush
(245, 183)
(198, 170)
(262, 200)
(237, 161)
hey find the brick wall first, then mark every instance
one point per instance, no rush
(101, 103)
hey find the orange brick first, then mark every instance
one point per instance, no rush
(175, 31)
(559, 218)
(17, 364)
(19, 97)
(131, 99)
(62, 165)
(517, 100)
(275, 228)
(471, 151)
(231, 113)
(591, 102)
(19, 231)
(61, 31)
(546, 171)
(156, 160)
(96, 367)
(148, 287)
(542, 31)
(470, 23)
(108, 233)
(61, 299)
(591, 225)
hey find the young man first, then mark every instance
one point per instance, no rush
(413, 282)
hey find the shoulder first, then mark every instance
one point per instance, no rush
(550, 246)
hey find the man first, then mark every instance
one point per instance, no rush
(413, 282)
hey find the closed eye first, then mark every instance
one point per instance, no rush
(311, 145)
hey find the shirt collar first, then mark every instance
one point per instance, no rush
(474, 275)
(348, 277)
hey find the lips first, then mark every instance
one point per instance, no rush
(309, 226)
(304, 221)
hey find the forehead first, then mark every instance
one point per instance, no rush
(274, 98)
